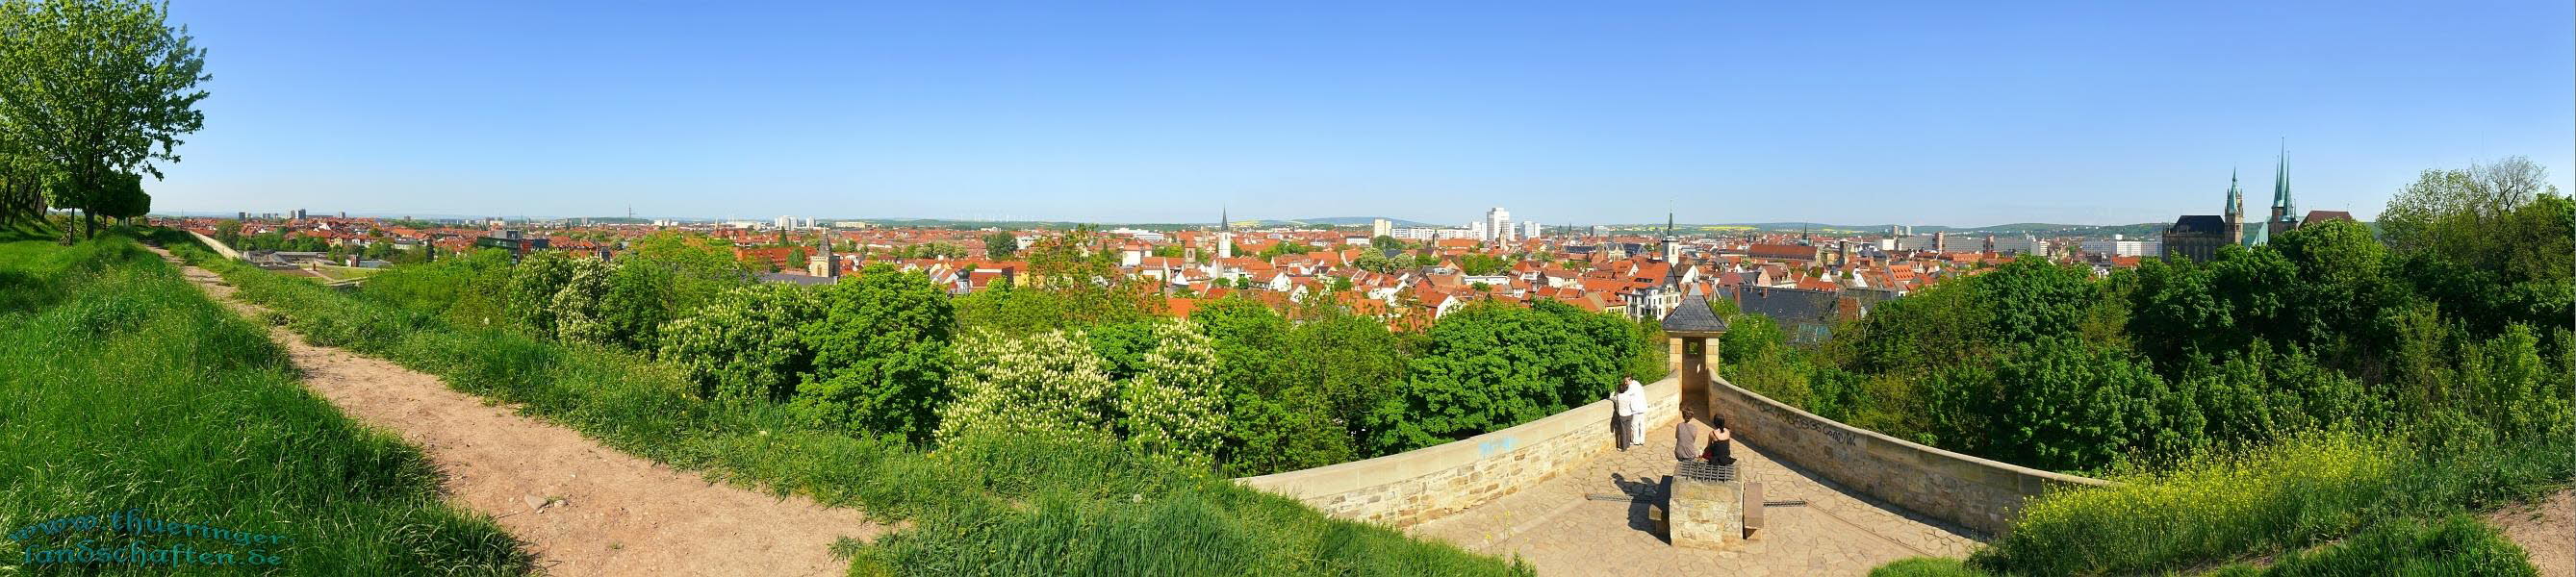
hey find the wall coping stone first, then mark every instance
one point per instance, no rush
(1592, 418)
(1879, 438)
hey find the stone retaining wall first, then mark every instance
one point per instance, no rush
(1976, 493)
(219, 247)
(1407, 488)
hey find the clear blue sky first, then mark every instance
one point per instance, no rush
(1920, 112)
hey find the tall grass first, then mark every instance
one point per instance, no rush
(990, 505)
(2307, 490)
(122, 388)
(2455, 545)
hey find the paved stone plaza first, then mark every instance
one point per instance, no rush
(1554, 526)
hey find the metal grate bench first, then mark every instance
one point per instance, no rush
(1704, 470)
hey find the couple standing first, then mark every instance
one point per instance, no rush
(1694, 441)
(1628, 413)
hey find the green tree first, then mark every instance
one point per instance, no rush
(743, 345)
(1492, 365)
(1481, 264)
(530, 296)
(97, 89)
(1174, 407)
(576, 309)
(1041, 383)
(642, 296)
(2031, 299)
(1351, 362)
(2069, 406)
(1001, 245)
(701, 267)
(881, 355)
(123, 198)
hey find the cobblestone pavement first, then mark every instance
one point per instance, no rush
(1554, 526)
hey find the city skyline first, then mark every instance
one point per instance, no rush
(1892, 114)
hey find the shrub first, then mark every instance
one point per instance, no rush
(1174, 408)
(881, 355)
(744, 344)
(578, 313)
(1044, 383)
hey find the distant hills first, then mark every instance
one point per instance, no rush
(1352, 220)
(2033, 228)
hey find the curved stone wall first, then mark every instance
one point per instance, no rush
(1407, 488)
(1980, 494)
(1424, 484)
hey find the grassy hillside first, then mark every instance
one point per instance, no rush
(992, 505)
(123, 389)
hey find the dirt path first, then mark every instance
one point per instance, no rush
(2544, 528)
(582, 509)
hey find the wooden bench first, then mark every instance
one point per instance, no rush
(1752, 508)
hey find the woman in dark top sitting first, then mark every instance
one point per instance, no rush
(1719, 450)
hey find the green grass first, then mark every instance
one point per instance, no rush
(123, 388)
(2374, 492)
(2295, 494)
(1012, 505)
(2455, 545)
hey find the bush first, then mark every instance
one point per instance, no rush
(1045, 383)
(529, 298)
(1174, 408)
(744, 345)
(881, 356)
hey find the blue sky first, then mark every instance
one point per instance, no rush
(1924, 113)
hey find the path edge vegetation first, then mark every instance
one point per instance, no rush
(125, 388)
(992, 503)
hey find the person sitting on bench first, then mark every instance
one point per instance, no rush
(1690, 438)
(1719, 450)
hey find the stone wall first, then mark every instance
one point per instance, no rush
(1407, 488)
(219, 247)
(1976, 493)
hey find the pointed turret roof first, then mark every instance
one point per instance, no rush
(2235, 195)
(1693, 318)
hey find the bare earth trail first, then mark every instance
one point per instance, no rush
(581, 508)
(2546, 529)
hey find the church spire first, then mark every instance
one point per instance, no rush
(2281, 205)
(2235, 197)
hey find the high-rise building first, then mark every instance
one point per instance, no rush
(1481, 231)
(1498, 224)
(1381, 227)
(1532, 229)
